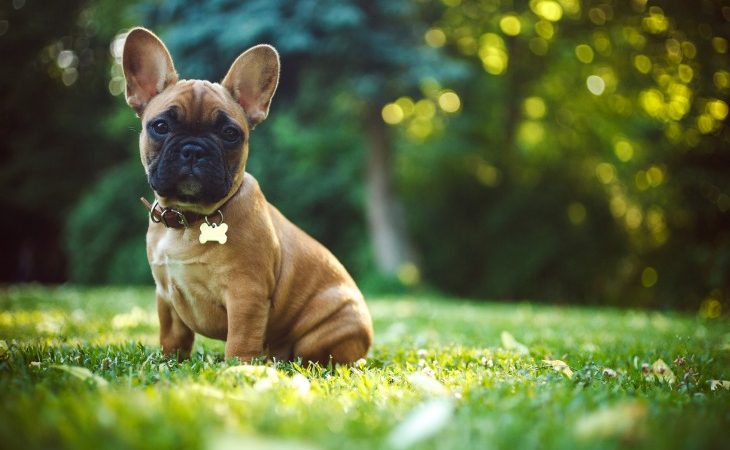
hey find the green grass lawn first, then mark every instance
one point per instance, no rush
(81, 369)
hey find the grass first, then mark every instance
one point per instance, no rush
(442, 374)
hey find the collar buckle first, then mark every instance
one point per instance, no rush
(178, 216)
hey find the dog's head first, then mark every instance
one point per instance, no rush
(194, 139)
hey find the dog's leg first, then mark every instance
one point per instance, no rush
(248, 314)
(175, 337)
(342, 338)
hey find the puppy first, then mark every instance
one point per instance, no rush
(226, 263)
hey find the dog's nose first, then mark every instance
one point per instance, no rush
(191, 152)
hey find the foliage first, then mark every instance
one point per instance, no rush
(106, 230)
(588, 154)
(53, 85)
(82, 366)
(571, 150)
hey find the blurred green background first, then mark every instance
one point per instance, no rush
(557, 150)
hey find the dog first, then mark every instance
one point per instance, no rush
(226, 263)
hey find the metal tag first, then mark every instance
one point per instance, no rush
(213, 232)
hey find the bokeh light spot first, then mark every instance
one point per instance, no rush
(721, 78)
(544, 29)
(116, 86)
(392, 114)
(689, 50)
(655, 22)
(685, 73)
(633, 217)
(649, 277)
(705, 124)
(530, 133)
(510, 25)
(624, 150)
(425, 109)
(435, 37)
(642, 63)
(652, 101)
(487, 174)
(584, 53)
(618, 206)
(717, 108)
(406, 104)
(595, 84)
(547, 9)
(641, 180)
(605, 172)
(419, 128)
(719, 44)
(534, 107)
(602, 43)
(449, 101)
(408, 274)
(655, 176)
(492, 53)
(597, 16)
(710, 308)
(576, 213)
(65, 59)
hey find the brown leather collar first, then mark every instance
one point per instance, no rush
(170, 217)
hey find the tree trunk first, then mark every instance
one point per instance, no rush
(386, 223)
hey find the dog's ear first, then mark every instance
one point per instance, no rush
(252, 80)
(148, 68)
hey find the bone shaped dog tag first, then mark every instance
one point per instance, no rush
(213, 232)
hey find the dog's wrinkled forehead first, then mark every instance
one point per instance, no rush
(196, 102)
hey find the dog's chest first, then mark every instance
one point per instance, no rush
(186, 280)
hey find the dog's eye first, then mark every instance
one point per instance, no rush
(160, 127)
(230, 134)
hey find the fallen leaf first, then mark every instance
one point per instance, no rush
(82, 373)
(427, 383)
(559, 366)
(424, 421)
(235, 441)
(715, 384)
(662, 372)
(623, 419)
(510, 343)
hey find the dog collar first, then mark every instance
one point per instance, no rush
(174, 218)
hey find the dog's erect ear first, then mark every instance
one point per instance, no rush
(147, 66)
(252, 80)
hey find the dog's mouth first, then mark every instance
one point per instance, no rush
(189, 186)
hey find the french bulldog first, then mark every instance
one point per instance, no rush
(226, 263)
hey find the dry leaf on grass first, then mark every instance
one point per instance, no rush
(82, 373)
(662, 372)
(510, 343)
(427, 383)
(719, 384)
(622, 420)
(424, 421)
(559, 366)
